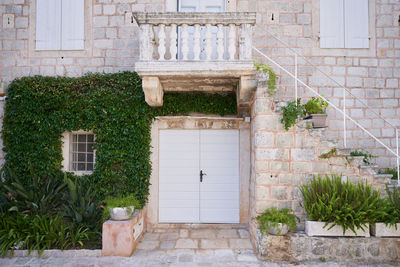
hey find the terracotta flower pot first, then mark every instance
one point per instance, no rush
(318, 120)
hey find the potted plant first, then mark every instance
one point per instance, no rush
(120, 208)
(291, 112)
(277, 222)
(390, 223)
(315, 109)
(338, 208)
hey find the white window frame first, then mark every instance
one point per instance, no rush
(172, 5)
(351, 52)
(66, 152)
(88, 37)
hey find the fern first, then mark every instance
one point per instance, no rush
(271, 77)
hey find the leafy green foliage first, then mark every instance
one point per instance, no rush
(272, 217)
(123, 201)
(393, 198)
(315, 105)
(38, 233)
(291, 112)
(39, 109)
(120, 201)
(81, 206)
(393, 172)
(271, 77)
(33, 195)
(367, 156)
(342, 203)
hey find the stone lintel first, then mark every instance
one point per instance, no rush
(153, 91)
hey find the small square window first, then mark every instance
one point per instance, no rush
(81, 153)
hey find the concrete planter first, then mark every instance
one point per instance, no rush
(382, 230)
(280, 229)
(121, 213)
(318, 120)
(317, 229)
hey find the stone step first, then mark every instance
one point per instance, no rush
(368, 169)
(356, 160)
(383, 178)
(343, 151)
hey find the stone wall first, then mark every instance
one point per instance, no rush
(370, 74)
(283, 160)
(299, 247)
(111, 44)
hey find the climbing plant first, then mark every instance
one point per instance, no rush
(39, 109)
(271, 77)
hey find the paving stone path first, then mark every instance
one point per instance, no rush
(172, 247)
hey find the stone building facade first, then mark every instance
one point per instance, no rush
(278, 160)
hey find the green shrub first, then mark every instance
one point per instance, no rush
(39, 109)
(38, 233)
(81, 206)
(272, 217)
(341, 203)
(315, 105)
(291, 112)
(393, 213)
(33, 195)
(367, 156)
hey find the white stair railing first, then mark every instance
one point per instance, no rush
(341, 111)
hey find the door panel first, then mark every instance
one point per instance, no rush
(182, 197)
(219, 154)
(179, 176)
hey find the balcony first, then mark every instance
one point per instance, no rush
(209, 52)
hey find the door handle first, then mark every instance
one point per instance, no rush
(201, 175)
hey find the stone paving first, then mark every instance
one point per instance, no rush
(171, 247)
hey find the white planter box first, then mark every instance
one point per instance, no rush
(316, 229)
(381, 230)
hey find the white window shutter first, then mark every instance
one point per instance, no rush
(48, 24)
(331, 24)
(73, 25)
(356, 24)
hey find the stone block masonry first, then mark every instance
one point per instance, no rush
(300, 248)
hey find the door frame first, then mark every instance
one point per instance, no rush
(194, 123)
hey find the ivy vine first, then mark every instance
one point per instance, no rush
(39, 109)
(271, 77)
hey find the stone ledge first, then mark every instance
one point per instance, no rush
(57, 253)
(299, 247)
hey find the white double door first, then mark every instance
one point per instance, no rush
(185, 196)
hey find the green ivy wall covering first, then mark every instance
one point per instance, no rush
(39, 109)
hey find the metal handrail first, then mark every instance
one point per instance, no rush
(343, 112)
(325, 74)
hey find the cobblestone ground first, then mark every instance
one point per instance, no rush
(173, 247)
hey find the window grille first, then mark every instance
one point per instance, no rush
(81, 152)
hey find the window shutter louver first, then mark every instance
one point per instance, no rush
(48, 24)
(72, 37)
(356, 24)
(331, 24)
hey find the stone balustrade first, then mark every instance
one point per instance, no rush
(172, 44)
(195, 36)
